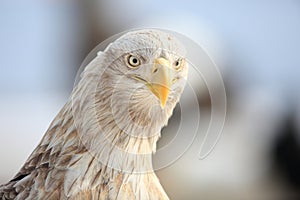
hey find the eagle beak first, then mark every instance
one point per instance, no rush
(160, 82)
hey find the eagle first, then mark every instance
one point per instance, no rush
(100, 144)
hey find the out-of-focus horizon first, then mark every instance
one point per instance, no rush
(255, 44)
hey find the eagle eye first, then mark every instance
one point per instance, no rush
(178, 64)
(133, 61)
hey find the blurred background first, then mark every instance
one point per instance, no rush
(255, 44)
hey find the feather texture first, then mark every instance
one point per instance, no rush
(99, 145)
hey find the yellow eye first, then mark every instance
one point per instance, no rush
(133, 61)
(178, 64)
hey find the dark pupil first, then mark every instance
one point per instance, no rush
(177, 63)
(134, 60)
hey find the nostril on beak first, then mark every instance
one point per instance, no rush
(155, 70)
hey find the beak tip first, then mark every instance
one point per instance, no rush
(163, 104)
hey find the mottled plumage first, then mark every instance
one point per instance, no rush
(99, 146)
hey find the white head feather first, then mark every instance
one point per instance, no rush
(114, 111)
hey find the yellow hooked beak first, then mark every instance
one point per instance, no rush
(160, 82)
